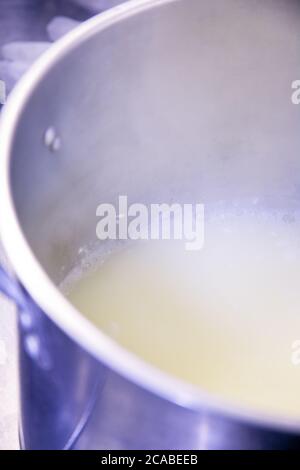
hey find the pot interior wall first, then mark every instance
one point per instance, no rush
(187, 102)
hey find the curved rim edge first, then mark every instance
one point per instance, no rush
(44, 292)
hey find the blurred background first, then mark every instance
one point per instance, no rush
(28, 27)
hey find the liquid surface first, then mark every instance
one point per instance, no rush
(223, 318)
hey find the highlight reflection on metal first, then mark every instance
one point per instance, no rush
(2, 92)
(27, 28)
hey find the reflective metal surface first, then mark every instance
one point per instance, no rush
(157, 100)
(27, 28)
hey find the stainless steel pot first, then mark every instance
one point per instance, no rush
(158, 100)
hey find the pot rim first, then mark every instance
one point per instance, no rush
(45, 293)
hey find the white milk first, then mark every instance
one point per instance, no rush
(223, 318)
